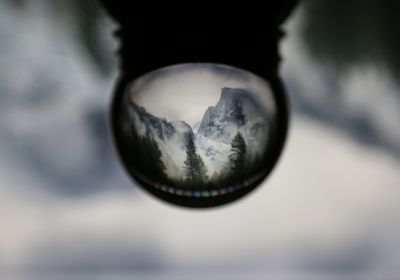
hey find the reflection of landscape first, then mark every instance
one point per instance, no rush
(223, 148)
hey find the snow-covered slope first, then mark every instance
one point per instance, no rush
(238, 110)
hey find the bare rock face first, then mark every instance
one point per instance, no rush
(237, 110)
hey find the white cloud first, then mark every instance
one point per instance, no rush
(326, 194)
(184, 92)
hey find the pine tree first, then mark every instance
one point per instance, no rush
(238, 154)
(195, 168)
(151, 156)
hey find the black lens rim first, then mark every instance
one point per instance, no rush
(283, 116)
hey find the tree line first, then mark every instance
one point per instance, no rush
(143, 154)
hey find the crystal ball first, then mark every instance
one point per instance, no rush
(199, 134)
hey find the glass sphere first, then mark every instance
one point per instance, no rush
(199, 134)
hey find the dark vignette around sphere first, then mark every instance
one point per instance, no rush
(190, 196)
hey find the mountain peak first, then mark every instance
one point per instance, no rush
(228, 92)
(160, 126)
(235, 108)
(238, 97)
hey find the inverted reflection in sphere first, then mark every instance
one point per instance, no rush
(196, 134)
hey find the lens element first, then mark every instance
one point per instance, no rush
(198, 134)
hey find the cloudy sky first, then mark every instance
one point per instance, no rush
(330, 209)
(185, 92)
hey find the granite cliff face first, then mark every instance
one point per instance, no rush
(237, 111)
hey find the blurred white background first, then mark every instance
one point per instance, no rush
(330, 209)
